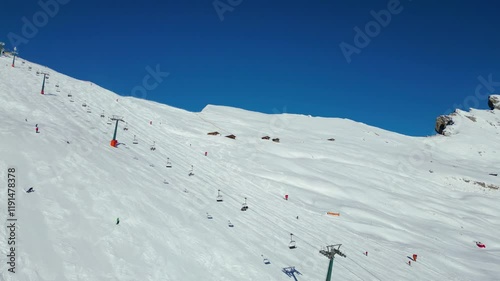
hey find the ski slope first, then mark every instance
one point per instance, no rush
(396, 195)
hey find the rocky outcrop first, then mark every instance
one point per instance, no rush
(441, 123)
(447, 120)
(494, 102)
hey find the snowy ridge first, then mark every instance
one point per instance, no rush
(396, 195)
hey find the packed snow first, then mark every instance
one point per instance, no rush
(394, 195)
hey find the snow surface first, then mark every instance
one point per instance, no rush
(396, 195)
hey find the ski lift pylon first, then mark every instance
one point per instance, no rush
(292, 244)
(219, 197)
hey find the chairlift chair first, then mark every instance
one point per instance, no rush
(292, 244)
(102, 114)
(169, 164)
(219, 197)
(230, 224)
(152, 148)
(209, 216)
(265, 260)
(84, 104)
(71, 100)
(191, 172)
(245, 206)
(135, 140)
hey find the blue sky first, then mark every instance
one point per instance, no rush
(275, 56)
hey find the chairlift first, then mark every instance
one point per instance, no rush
(57, 85)
(265, 260)
(84, 104)
(88, 110)
(37, 73)
(152, 148)
(191, 173)
(230, 224)
(165, 181)
(169, 164)
(102, 114)
(126, 127)
(70, 95)
(245, 206)
(185, 190)
(292, 243)
(209, 216)
(219, 197)
(135, 140)
(109, 121)
(58, 90)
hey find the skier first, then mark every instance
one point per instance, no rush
(36, 130)
(117, 221)
(480, 245)
(30, 190)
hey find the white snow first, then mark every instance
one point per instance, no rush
(396, 195)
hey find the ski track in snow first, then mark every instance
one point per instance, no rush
(390, 204)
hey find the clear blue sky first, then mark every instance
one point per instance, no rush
(274, 56)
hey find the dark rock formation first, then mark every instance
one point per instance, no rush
(494, 102)
(441, 123)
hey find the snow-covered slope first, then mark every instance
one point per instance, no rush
(396, 195)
